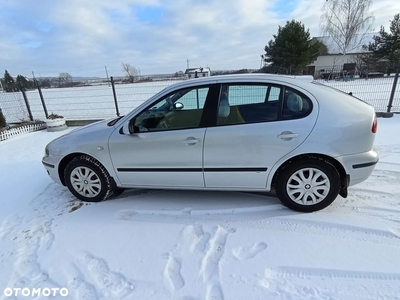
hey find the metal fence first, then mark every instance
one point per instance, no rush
(375, 91)
(91, 101)
(99, 100)
(13, 107)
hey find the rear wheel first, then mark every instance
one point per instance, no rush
(87, 179)
(308, 185)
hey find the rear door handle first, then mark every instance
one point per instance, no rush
(288, 135)
(191, 141)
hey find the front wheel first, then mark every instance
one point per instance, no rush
(87, 179)
(308, 185)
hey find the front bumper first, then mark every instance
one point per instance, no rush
(50, 163)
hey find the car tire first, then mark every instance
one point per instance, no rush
(87, 179)
(308, 184)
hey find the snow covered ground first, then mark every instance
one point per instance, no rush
(197, 245)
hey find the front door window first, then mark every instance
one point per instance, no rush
(180, 110)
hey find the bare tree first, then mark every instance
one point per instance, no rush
(64, 79)
(347, 22)
(130, 71)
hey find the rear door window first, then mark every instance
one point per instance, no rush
(295, 104)
(248, 103)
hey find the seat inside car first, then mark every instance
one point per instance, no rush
(293, 104)
(224, 107)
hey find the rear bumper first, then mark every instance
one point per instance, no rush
(359, 166)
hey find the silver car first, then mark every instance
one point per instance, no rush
(305, 141)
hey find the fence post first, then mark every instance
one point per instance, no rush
(396, 77)
(115, 95)
(41, 98)
(22, 89)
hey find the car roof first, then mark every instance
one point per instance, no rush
(252, 77)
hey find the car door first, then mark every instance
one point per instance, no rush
(166, 146)
(256, 126)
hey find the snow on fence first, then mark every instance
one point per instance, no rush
(13, 132)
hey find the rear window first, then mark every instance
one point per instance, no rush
(295, 104)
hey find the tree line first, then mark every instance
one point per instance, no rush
(9, 84)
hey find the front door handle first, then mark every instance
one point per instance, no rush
(191, 141)
(288, 135)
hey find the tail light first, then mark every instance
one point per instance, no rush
(375, 125)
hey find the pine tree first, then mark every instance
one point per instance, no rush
(23, 81)
(292, 47)
(9, 84)
(3, 122)
(386, 45)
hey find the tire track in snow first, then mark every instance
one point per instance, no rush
(309, 273)
(365, 195)
(336, 230)
(388, 148)
(309, 283)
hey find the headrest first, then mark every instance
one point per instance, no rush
(224, 108)
(294, 103)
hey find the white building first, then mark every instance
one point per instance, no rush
(198, 72)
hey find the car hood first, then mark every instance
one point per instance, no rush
(83, 140)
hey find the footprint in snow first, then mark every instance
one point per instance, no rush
(172, 273)
(243, 253)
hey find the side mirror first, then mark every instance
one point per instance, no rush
(129, 128)
(178, 105)
(126, 129)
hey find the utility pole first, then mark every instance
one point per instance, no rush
(187, 63)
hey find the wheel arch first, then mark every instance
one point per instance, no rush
(64, 162)
(339, 167)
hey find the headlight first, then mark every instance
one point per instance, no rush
(46, 152)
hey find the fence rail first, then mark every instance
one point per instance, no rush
(96, 101)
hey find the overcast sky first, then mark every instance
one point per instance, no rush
(82, 36)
